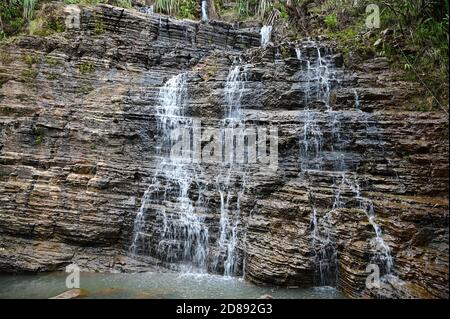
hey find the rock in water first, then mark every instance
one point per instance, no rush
(72, 294)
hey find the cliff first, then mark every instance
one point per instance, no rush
(79, 148)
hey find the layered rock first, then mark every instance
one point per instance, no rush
(79, 144)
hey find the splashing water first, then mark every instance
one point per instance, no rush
(179, 233)
(355, 93)
(234, 90)
(382, 252)
(266, 32)
(230, 200)
(298, 53)
(149, 10)
(323, 150)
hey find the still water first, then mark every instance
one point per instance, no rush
(152, 285)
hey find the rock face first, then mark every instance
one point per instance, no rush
(79, 148)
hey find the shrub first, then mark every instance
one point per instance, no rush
(331, 21)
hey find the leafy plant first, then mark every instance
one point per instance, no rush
(331, 21)
(188, 9)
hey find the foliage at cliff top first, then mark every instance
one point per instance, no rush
(413, 34)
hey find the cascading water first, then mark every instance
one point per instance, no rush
(149, 10)
(204, 10)
(382, 252)
(266, 32)
(298, 53)
(233, 174)
(355, 93)
(322, 147)
(179, 228)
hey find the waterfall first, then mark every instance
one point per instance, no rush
(149, 10)
(355, 93)
(298, 53)
(266, 32)
(232, 175)
(322, 153)
(382, 251)
(310, 142)
(178, 233)
(234, 90)
(323, 78)
(204, 10)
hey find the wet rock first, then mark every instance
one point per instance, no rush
(265, 297)
(78, 138)
(72, 294)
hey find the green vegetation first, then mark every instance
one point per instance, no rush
(188, 9)
(124, 3)
(99, 26)
(184, 9)
(38, 136)
(28, 76)
(5, 57)
(413, 34)
(331, 21)
(51, 61)
(20, 16)
(28, 8)
(30, 59)
(86, 68)
(51, 76)
(11, 18)
(45, 27)
(85, 88)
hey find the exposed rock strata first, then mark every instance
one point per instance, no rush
(78, 136)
